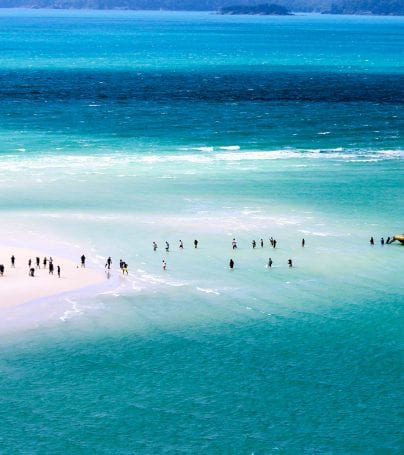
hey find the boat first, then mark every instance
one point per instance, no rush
(399, 238)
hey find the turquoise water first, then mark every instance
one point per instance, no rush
(119, 129)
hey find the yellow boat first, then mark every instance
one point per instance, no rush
(398, 237)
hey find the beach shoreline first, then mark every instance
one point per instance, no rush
(17, 287)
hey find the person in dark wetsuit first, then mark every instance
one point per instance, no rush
(1, 269)
(29, 263)
(58, 270)
(303, 243)
(181, 245)
(51, 268)
(372, 241)
(270, 262)
(262, 243)
(83, 260)
(382, 241)
(290, 264)
(231, 264)
(154, 246)
(167, 247)
(38, 263)
(109, 262)
(254, 244)
(45, 261)
(274, 243)
(388, 240)
(32, 271)
(13, 261)
(196, 243)
(234, 244)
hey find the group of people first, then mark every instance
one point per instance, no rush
(46, 262)
(382, 241)
(273, 242)
(180, 245)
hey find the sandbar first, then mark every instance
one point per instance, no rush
(17, 287)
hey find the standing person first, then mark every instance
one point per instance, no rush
(231, 264)
(181, 245)
(234, 244)
(254, 244)
(38, 263)
(45, 261)
(29, 263)
(164, 264)
(13, 261)
(270, 262)
(274, 243)
(382, 241)
(372, 241)
(154, 246)
(58, 270)
(125, 269)
(196, 243)
(303, 243)
(121, 264)
(51, 267)
(1, 269)
(32, 271)
(290, 264)
(262, 243)
(271, 241)
(167, 246)
(109, 262)
(83, 260)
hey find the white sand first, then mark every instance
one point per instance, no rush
(17, 287)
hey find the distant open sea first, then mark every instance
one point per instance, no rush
(118, 129)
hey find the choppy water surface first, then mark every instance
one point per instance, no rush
(119, 129)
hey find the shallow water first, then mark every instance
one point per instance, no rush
(119, 129)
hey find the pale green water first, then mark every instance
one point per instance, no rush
(118, 129)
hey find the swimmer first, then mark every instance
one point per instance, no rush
(181, 245)
(234, 244)
(196, 243)
(154, 246)
(303, 243)
(262, 243)
(372, 241)
(164, 263)
(254, 244)
(270, 262)
(290, 264)
(167, 247)
(32, 272)
(382, 241)
(231, 264)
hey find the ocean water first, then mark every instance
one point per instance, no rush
(118, 129)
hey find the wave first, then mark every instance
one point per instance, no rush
(94, 163)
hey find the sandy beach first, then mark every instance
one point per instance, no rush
(17, 287)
